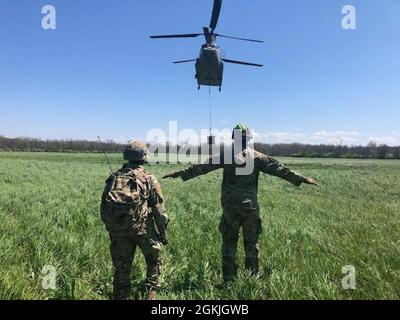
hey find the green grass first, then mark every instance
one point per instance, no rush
(49, 213)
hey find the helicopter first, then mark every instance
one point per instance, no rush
(210, 63)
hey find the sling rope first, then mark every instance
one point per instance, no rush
(210, 109)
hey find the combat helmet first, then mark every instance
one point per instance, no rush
(135, 151)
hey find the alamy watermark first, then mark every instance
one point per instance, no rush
(49, 21)
(188, 146)
(349, 280)
(49, 277)
(349, 20)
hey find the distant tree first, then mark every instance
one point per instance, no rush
(383, 151)
(372, 149)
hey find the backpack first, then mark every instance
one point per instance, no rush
(128, 188)
(125, 205)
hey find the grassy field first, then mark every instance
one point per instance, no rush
(49, 213)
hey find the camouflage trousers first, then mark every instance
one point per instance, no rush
(233, 219)
(123, 247)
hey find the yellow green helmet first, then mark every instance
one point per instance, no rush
(243, 129)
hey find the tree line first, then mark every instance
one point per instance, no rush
(371, 151)
(38, 145)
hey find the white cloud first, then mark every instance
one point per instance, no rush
(393, 140)
(280, 137)
(123, 139)
(336, 137)
(318, 137)
(327, 137)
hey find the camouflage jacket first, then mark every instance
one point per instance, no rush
(242, 189)
(155, 200)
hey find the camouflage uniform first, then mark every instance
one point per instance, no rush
(128, 231)
(240, 204)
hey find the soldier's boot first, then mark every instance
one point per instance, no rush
(229, 272)
(153, 295)
(229, 268)
(121, 285)
(251, 264)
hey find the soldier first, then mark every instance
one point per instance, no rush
(133, 211)
(239, 197)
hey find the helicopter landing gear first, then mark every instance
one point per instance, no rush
(220, 89)
(198, 88)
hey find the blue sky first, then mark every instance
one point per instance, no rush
(98, 73)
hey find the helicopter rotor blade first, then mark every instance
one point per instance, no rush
(215, 14)
(236, 38)
(184, 61)
(169, 36)
(244, 63)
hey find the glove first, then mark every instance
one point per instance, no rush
(172, 175)
(311, 181)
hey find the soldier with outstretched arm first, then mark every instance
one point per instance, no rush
(239, 197)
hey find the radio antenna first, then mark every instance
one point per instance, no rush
(105, 155)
